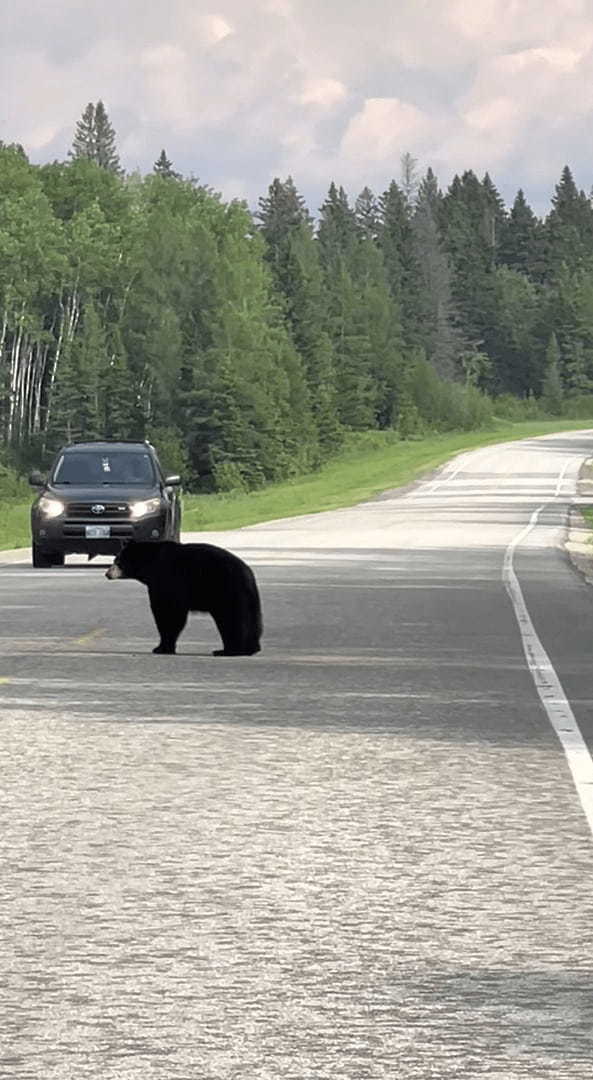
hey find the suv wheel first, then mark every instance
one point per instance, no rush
(43, 558)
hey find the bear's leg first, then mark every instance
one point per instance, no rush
(234, 627)
(225, 623)
(170, 618)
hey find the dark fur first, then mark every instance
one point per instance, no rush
(197, 577)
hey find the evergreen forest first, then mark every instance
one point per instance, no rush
(247, 345)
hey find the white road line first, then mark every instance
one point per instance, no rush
(448, 475)
(561, 477)
(548, 684)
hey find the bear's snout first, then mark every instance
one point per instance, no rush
(114, 573)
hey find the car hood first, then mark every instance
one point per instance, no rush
(100, 494)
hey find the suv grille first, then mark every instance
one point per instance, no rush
(83, 510)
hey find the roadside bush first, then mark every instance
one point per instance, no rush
(12, 486)
(409, 421)
(228, 477)
(357, 441)
(447, 406)
(477, 408)
(171, 450)
(579, 406)
(507, 407)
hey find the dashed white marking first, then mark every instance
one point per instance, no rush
(561, 478)
(448, 474)
(547, 683)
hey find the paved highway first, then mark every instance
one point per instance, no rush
(365, 854)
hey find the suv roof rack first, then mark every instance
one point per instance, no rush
(108, 442)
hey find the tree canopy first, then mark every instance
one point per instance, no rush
(251, 343)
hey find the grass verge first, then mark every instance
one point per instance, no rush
(587, 513)
(14, 524)
(371, 463)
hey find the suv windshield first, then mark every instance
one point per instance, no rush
(94, 468)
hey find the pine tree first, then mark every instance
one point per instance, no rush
(579, 347)
(513, 344)
(362, 318)
(467, 215)
(366, 212)
(122, 404)
(337, 233)
(565, 201)
(442, 339)
(495, 216)
(378, 319)
(409, 177)
(105, 148)
(84, 142)
(306, 310)
(16, 148)
(281, 213)
(163, 167)
(430, 194)
(396, 242)
(520, 243)
(577, 368)
(281, 210)
(338, 241)
(94, 139)
(568, 229)
(90, 359)
(293, 257)
(552, 393)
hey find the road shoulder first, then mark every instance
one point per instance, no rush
(579, 537)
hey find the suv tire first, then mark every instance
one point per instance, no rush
(43, 558)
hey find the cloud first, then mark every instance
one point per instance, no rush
(325, 92)
(238, 93)
(210, 28)
(381, 128)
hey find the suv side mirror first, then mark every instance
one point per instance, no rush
(37, 479)
(172, 481)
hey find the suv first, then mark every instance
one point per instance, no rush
(98, 495)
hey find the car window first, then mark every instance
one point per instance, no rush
(96, 468)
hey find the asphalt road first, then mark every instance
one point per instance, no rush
(360, 855)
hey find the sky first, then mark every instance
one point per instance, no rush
(241, 91)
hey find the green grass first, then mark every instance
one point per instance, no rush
(371, 463)
(14, 524)
(355, 475)
(588, 516)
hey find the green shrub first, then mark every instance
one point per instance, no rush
(447, 406)
(171, 450)
(228, 477)
(580, 406)
(507, 407)
(12, 486)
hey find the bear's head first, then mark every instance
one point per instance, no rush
(135, 561)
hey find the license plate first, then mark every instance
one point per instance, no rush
(98, 532)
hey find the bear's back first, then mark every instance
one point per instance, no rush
(208, 573)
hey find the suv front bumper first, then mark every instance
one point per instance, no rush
(72, 537)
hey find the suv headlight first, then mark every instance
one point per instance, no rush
(147, 506)
(50, 508)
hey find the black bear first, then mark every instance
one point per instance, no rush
(195, 577)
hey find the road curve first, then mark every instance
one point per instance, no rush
(363, 854)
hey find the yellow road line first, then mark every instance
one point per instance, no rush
(91, 636)
(4, 680)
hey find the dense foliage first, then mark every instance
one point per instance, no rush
(245, 346)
